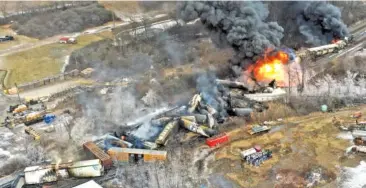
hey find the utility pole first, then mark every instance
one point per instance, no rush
(16, 86)
(114, 22)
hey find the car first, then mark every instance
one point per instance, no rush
(6, 38)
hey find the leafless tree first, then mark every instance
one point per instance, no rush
(145, 25)
(19, 7)
(4, 8)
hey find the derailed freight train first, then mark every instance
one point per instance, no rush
(318, 51)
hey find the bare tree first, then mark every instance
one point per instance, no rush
(146, 26)
(19, 7)
(4, 8)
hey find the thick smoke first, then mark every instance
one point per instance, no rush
(240, 25)
(243, 25)
(320, 22)
(308, 23)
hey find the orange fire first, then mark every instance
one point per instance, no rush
(334, 41)
(272, 66)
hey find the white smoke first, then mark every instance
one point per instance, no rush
(353, 177)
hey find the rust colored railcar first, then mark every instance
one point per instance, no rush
(130, 154)
(99, 154)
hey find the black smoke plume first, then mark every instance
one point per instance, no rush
(238, 24)
(308, 23)
(244, 26)
(320, 22)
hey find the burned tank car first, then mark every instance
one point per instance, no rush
(329, 48)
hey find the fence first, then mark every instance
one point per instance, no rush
(49, 80)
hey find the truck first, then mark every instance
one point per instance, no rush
(6, 38)
(257, 158)
(67, 40)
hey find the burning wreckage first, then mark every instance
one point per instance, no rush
(202, 115)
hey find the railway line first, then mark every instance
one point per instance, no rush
(359, 34)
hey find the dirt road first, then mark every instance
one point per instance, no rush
(46, 90)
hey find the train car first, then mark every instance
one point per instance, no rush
(33, 133)
(12, 181)
(20, 108)
(40, 174)
(134, 155)
(256, 129)
(359, 141)
(86, 169)
(216, 140)
(99, 154)
(164, 135)
(361, 149)
(34, 117)
(326, 49)
(359, 133)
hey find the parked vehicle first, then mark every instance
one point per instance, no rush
(257, 158)
(67, 40)
(216, 140)
(244, 154)
(6, 38)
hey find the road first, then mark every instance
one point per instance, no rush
(46, 90)
(55, 39)
(64, 85)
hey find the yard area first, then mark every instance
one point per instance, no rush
(43, 61)
(19, 39)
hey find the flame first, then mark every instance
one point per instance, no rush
(272, 66)
(334, 41)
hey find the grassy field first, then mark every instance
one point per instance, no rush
(126, 6)
(43, 61)
(19, 39)
(299, 144)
